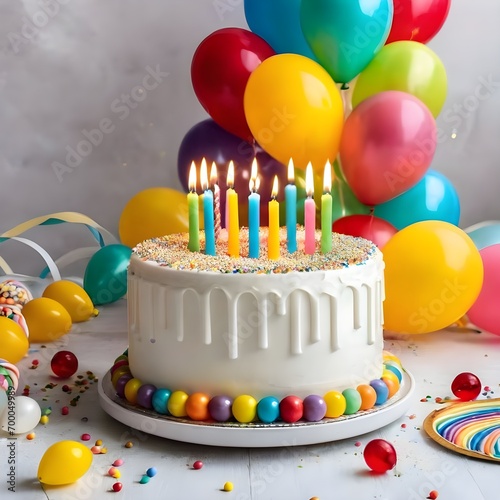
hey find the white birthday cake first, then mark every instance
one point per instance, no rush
(238, 330)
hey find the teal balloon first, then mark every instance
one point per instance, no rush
(345, 35)
(278, 23)
(485, 234)
(105, 278)
(432, 198)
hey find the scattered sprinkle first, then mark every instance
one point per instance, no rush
(117, 487)
(85, 437)
(104, 450)
(30, 436)
(98, 442)
(357, 443)
(129, 444)
(64, 410)
(228, 486)
(95, 450)
(144, 479)
(151, 472)
(433, 495)
(84, 419)
(118, 462)
(403, 426)
(198, 465)
(114, 472)
(44, 419)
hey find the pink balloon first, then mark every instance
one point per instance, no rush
(485, 313)
(387, 145)
(367, 226)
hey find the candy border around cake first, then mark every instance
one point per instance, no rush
(127, 389)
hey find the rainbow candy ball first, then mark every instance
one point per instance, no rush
(291, 409)
(219, 408)
(380, 455)
(268, 409)
(159, 401)
(314, 408)
(245, 408)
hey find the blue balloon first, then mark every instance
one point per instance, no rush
(345, 35)
(485, 234)
(278, 23)
(433, 198)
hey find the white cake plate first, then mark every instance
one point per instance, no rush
(255, 435)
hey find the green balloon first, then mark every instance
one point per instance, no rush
(105, 278)
(344, 201)
(406, 66)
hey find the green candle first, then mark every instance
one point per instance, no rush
(326, 211)
(193, 210)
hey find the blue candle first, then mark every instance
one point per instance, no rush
(254, 214)
(208, 210)
(291, 209)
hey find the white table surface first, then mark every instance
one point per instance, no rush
(328, 471)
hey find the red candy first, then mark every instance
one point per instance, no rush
(380, 455)
(198, 465)
(291, 409)
(64, 364)
(466, 386)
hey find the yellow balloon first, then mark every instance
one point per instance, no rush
(73, 298)
(47, 319)
(294, 110)
(64, 462)
(433, 275)
(407, 66)
(153, 212)
(13, 341)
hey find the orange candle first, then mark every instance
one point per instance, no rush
(233, 238)
(273, 240)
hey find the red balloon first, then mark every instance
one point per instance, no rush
(220, 69)
(367, 226)
(418, 20)
(387, 146)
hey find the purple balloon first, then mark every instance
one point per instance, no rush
(210, 141)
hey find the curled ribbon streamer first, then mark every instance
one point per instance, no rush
(102, 236)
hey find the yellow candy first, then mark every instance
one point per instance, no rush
(131, 388)
(390, 375)
(122, 370)
(228, 486)
(244, 408)
(335, 404)
(177, 404)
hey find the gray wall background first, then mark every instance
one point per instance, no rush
(67, 74)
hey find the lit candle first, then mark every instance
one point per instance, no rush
(213, 181)
(208, 210)
(310, 213)
(233, 238)
(194, 223)
(326, 210)
(253, 213)
(273, 240)
(291, 209)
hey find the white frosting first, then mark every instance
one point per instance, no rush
(297, 333)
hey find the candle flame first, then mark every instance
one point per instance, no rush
(204, 175)
(253, 172)
(214, 176)
(192, 178)
(274, 192)
(327, 178)
(291, 172)
(230, 175)
(309, 180)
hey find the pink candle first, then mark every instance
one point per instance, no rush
(215, 185)
(310, 213)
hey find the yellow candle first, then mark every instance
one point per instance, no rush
(233, 237)
(273, 240)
